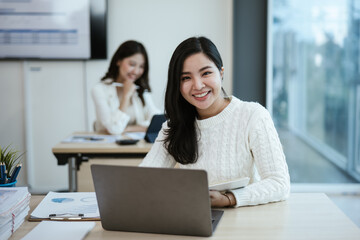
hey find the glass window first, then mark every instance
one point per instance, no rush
(315, 76)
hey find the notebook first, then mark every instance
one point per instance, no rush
(154, 127)
(229, 185)
(154, 200)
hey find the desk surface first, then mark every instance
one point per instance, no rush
(95, 147)
(302, 216)
(74, 154)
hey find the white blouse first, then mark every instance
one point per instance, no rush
(108, 115)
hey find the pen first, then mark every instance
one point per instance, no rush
(96, 139)
(15, 173)
(121, 85)
(65, 218)
(2, 171)
(66, 215)
(89, 138)
(4, 179)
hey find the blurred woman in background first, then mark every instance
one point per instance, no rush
(122, 98)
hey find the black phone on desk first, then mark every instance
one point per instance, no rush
(127, 141)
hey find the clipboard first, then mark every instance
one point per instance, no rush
(34, 219)
(77, 206)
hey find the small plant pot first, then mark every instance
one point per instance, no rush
(9, 184)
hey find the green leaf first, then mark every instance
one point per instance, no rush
(11, 158)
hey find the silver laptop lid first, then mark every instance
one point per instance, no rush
(153, 200)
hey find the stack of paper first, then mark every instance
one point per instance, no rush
(14, 207)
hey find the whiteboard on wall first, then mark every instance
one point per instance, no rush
(45, 29)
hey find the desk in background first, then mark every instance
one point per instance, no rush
(74, 154)
(302, 216)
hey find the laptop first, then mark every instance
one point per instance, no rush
(154, 200)
(154, 127)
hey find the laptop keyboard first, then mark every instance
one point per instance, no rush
(215, 217)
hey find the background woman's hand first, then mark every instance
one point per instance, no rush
(128, 90)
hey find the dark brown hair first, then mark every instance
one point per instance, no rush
(125, 50)
(181, 137)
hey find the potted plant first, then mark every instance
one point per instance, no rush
(11, 159)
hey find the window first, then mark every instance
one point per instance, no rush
(315, 85)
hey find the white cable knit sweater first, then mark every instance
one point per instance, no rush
(241, 141)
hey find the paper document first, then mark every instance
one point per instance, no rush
(92, 138)
(60, 230)
(233, 184)
(63, 205)
(135, 135)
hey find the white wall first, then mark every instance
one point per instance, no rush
(12, 120)
(161, 25)
(56, 94)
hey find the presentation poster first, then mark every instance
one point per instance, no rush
(45, 29)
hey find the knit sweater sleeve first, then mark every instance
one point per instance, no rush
(115, 121)
(269, 158)
(158, 156)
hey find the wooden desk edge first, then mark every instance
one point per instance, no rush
(63, 148)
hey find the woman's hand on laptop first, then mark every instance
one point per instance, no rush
(221, 200)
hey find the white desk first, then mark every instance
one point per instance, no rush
(302, 216)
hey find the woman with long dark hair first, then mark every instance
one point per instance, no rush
(122, 98)
(227, 137)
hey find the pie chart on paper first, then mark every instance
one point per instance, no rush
(62, 200)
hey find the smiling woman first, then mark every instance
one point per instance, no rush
(225, 136)
(201, 85)
(123, 97)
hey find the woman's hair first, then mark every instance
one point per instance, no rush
(181, 137)
(125, 50)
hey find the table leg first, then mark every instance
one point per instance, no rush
(72, 174)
